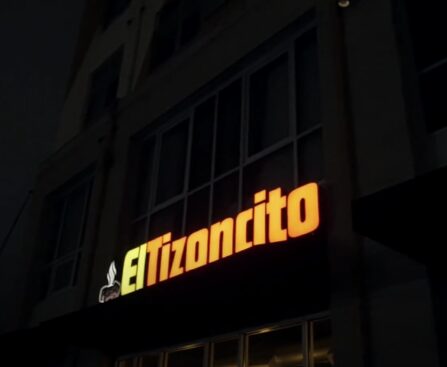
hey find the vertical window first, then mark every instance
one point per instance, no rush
(103, 87)
(269, 105)
(178, 22)
(322, 353)
(171, 175)
(186, 358)
(427, 27)
(226, 353)
(65, 234)
(276, 348)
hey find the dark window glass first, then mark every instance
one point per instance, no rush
(198, 210)
(167, 220)
(228, 128)
(104, 87)
(322, 353)
(427, 25)
(202, 144)
(269, 105)
(171, 176)
(282, 348)
(113, 9)
(226, 353)
(210, 6)
(63, 273)
(226, 197)
(310, 158)
(190, 23)
(125, 363)
(273, 171)
(149, 361)
(186, 358)
(434, 96)
(73, 222)
(166, 34)
(307, 82)
(146, 169)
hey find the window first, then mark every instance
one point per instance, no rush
(64, 235)
(103, 87)
(259, 130)
(428, 27)
(178, 22)
(291, 344)
(113, 9)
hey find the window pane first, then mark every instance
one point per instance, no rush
(434, 96)
(55, 217)
(186, 358)
(226, 353)
(145, 170)
(73, 222)
(226, 197)
(322, 353)
(165, 36)
(282, 348)
(310, 158)
(149, 361)
(167, 220)
(307, 82)
(202, 144)
(228, 128)
(171, 174)
(269, 105)
(273, 171)
(104, 86)
(190, 20)
(63, 274)
(125, 363)
(198, 209)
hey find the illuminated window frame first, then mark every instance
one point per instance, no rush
(245, 160)
(308, 340)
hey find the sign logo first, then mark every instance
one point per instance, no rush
(163, 258)
(113, 288)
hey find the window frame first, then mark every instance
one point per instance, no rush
(243, 75)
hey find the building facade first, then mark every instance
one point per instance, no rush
(244, 183)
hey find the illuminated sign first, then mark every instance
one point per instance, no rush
(113, 288)
(164, 258)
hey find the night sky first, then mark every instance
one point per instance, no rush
(38, 38)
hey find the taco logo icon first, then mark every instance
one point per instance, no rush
(113, 289)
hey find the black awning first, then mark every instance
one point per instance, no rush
(410, 217)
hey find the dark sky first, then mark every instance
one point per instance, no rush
(38, 38)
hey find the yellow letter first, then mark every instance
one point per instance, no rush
(129, 271)
(241, 230)
(197, 250)
(153, 247)
(221, 230)
(178, 247)
(274, 209)
(141, 266)
(259, 221)
(300, 223)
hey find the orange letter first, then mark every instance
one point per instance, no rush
(165, 257)
(241, 230)
(259, 221)
(300, 223)
(274, 209)
(197, 250)
(153, 247)
(178, 247)
(221, 230)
